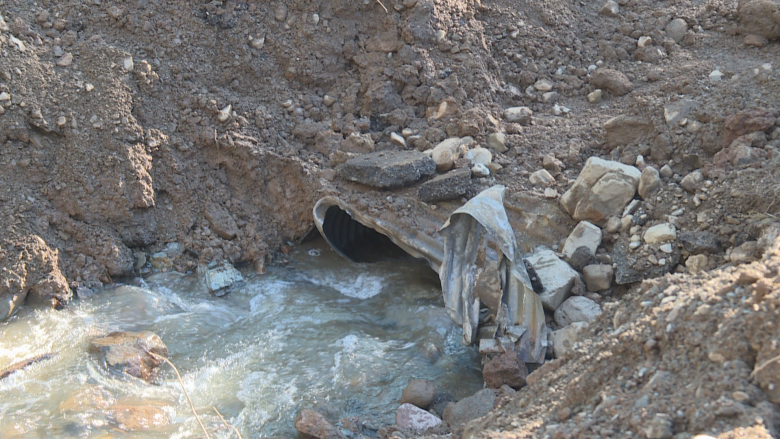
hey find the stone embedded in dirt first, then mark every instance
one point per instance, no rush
(602, 189)
(563, 339)
(660, 233)
(358, 143)
(696, 263)
(632, 266)
(128, 352)
(519, 115)
(414, 418)
(660, 427)
(397, 140)
(649, 182)
(280, 12)
(585, 234)
(692, 182)
(446, 152)
(65, 60)
(444, 187)
(697, 243)
(576, 309)
(676, 30)
(594, 97)
(388, 169)
(312, 425)
(755, 40)
(625, 130)
(598, 277)
(497, 142)
(468, 409)
(612, 81)
(543, 85)
(480, 170)
(610, 9)
(307, 132)
(479, 155)
(505, 370)
(747, 121)
(385, 42)
(556, 276)
(745, 253)
(675, 112)
(420, 393)
(761, 17)
(541, 178)
(220, 221)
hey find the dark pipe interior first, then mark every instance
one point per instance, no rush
(356, 241)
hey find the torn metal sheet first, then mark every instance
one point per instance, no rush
(467, 262)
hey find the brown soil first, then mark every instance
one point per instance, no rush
(102, 160)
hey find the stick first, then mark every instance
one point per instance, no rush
(22, 364)
(763, 365)
(192, 406)
(383, 6)
(226, 424)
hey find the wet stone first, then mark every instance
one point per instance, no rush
(420, 393)
(444, 187)
(387, 169)
(128, 352)
(313, 425)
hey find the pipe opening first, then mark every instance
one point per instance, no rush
(356, 241)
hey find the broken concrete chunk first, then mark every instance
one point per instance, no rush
(576, 309)
(584, 235)
(563, 339)
(557, 277)
(414, 418)
(444, 187)
(598, 277)
(387, 169)
(602, 189)
(220, 279)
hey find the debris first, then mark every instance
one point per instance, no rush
(446, 186)
(557, 277)
(24, 363)
(387, 169)
(220, 280)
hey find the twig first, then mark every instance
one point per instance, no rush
(383, 6)
(226, 423)
(763, 365)
(22, 364)
(192, 406)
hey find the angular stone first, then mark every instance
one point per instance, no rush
(697, 243)
(358, 143)
(612, 81)
(479, 156)
(610, 9)
(468, 409)
(220, 221)
(576, 309)
(660, 233)
(519, 115)
(497, 142)
(444, 187)
(556, 276)
(598, 277)
(676, 30)
(676, 111)
(593, 200)
(541, 178)
(581, 258)
(649, 182)
(755, 40)
(446, 153)
(745, 253)
(747, 121)
(480, 170)
(563, 339)
(414, 418)
(760, 17)
(420, 393)
(387, 169)
(506, 369)
(692, 182)
(220, 279)
(584, 234)
(625, 130)
(128, 352)
(696, 263)
(312, 425)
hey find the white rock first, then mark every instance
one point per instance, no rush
(550, 193)
(328, 100)
(4, 96)
(479, 156)
(576, 309)
(666, 248)
(414, 418)
(220, 278)
(541, 177)
(128, 64)
(602, 189)
(397, 139)
(446, 152)
(543, 85)
(224, 114)
(521, 115)
(598, 277)
(563, 339)
(716, 76)
(649, 182)
(497, 142)
(594, 97)
(556, 276)
(480, 170)
(584, 235)
(660, 233)
(644, 41)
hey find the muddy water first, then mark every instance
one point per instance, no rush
(320, 332)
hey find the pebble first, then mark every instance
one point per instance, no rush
(594, 97)
(480, 170)
(4, 96)
(666, 171)
(128, 64)
(644, 41)
(660, 233)
(678, 212)
(610, 9)
(398, 140)
(65, 60)
(541, 178)
(716, 76)
(61, 121)
(257, 43)
(666, 248)
(328, 100)
(543, 85)
(224, 114)
(550, 193)
(280, 13)
(36, 114)
(497, 142)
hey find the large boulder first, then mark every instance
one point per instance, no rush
(468, 409)
(388, 169)
(131, 352)
(602, 189)
(506, 369)
(761, 17)
(420, 393)
(313, 425)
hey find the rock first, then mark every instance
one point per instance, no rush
(420, 393)
(644, 42)
(398, 140)
(413, 418)
(755, 40)
(660, 233)
(506, 369)
(160, 261)
(581, 257)
(385, 42)
(747, 121)
(666, 171)
(676, 30)
(697, 243)
(358, 143)
(745, 253)
(312, 425)
(659, 428)
(468, 409)
(563, 339)
(3, 25)
(480, 170)
(541, 178)
(610, 9)
(675, 112)
(550, 193)
(594, 97)
(519, 115)
(446, 187)
(625, 130)
(576, 309)
(496, 142)
(220, 221)
(327, 141)
(692, 182)
(387, 169)
(479, 155)
(760, 17)
(612, 81)
(552, 164)
(584, 234)
(649, 182)
(306, 132)
(696, 263)
(543, 85)
(220, 279)
(602, 189)
(556, 276)
(767, 373)
(598, 277)
(446, 153)
(128, 352)
(632, 267)
(280, 12)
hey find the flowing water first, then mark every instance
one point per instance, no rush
(319, 333)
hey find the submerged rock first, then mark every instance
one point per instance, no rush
(129, 352)
(312, 425)
(420, 393)
(388, 169)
